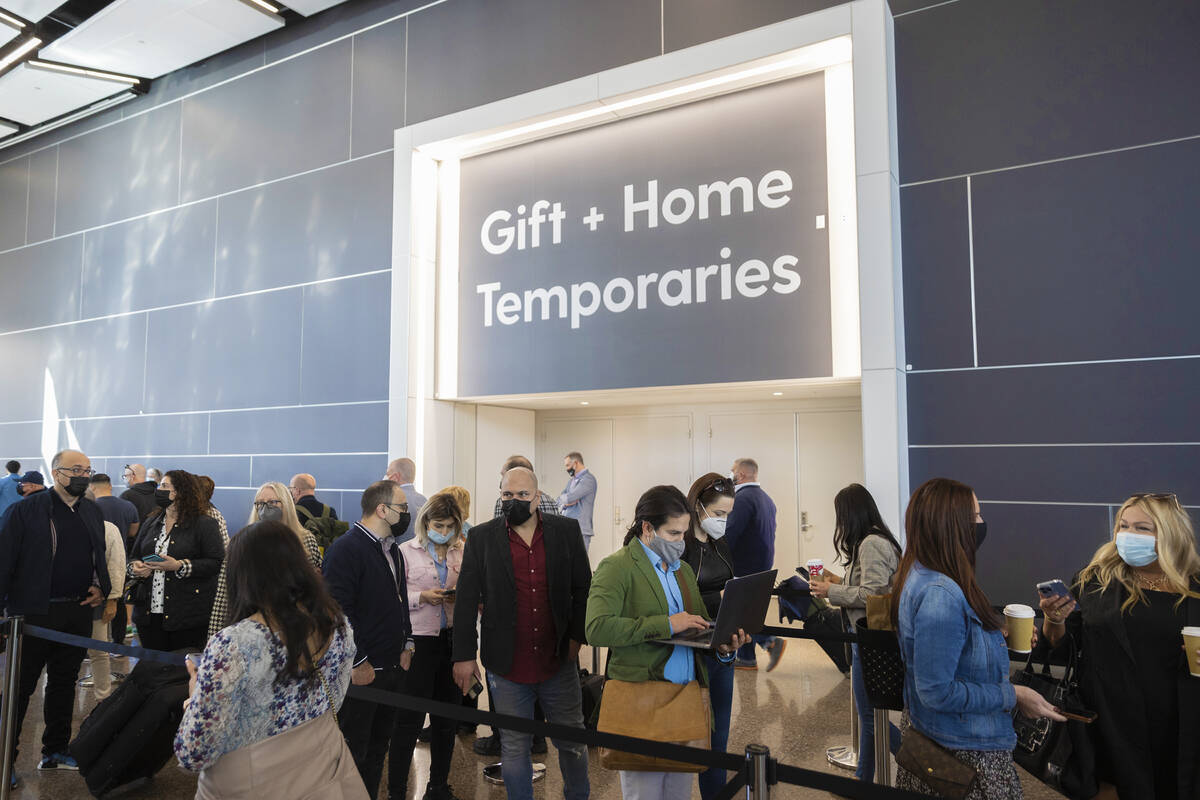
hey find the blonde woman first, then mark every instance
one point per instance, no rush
(432, 562)
(1129, 606)
(272, 502)
(463, 498)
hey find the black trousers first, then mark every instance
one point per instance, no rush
(61, 663)
(120, 623)
(152, 636)
(368, 728)
(430, 675)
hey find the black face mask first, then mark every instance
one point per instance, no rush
(516, 511)
(400, 526)
(162, 498)
(78, 485)
(571, 471)
(980, 534)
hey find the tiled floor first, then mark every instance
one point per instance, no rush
(799, 710)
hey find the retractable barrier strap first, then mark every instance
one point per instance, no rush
(796, 633)
(847, 787)
(140, 653)
(731, 789)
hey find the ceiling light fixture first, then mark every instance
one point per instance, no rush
(265, 6)
(94, 108)
(25, 48)
(777, 394)
(583, 402)
(90, 73)
(10, 20)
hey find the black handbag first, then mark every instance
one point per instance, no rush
(1056, 753)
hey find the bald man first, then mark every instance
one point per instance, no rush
(531, 572)
(404, 472)
(140, 491)
(303, 488)
(53, 572)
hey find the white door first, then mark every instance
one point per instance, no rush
(770, 439)
(651, 450)
(593, 439)
(829, 447)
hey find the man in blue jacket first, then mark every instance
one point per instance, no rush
(10, 484)
(53, 572)
(578, 499)
(365, 575)
(750, 534)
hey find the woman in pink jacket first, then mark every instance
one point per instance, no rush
(432, 560)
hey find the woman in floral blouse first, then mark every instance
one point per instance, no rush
(256, 678)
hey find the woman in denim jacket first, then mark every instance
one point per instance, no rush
(956, 687)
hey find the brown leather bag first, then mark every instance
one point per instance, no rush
(936, 766)
(659, 710)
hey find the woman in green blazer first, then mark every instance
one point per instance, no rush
(645, 592)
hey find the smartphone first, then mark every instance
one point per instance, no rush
(1079, 715)
(1054, 588)
(153, 558)
(448, 594)
(194, 658)
(475, 690)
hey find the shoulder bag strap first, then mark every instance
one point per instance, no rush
(308, 515)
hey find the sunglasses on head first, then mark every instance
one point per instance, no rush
(1168, 496)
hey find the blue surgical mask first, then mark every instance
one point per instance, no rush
(1136, 549)
(439, 538)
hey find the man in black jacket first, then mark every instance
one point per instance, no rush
(530, 572)
(53, 572)
(365, 574)
(140, 491)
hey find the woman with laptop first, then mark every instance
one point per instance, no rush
(644, 592)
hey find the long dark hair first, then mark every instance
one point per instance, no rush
(705, 491)
(190, 502)
(269, 573)
(656, 506)
(857, 518)
(940, 523)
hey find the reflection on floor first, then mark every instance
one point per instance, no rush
(799, 710)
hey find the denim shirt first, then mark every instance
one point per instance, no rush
(956, 685)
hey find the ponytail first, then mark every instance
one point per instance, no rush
(656, 506)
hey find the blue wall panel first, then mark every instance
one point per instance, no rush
(331, 471)
(175, 434)
(318, 429)
(40, 284)
(354, 310)
(43, 194)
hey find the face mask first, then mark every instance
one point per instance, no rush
(516, 511)
(670, 552)
(162, 498)
(400, 526)
(270, 514)
(77, 485)
(713, 526)
(980, 534)
(1136, 549)
(571, 471)
(439, 538)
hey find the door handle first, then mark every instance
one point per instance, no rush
(804, 526)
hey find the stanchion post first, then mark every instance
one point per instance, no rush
(758, 759)
(12, 684)
(847, 757)
(883, 750)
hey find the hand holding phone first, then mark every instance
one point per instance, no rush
(475, 690)
(1054, 588)
(153, 558)
(1079, 715)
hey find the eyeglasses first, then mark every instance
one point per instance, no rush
(1168, 496)
(402, 507)
(77, 472)
(265, 504)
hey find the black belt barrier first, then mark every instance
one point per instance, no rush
(796, 633)
(781, 773)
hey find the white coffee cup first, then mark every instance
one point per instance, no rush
(1191, 641)
(1020, 627)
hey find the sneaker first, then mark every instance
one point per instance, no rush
(466, 729)
(487, 745)
(58, 761)
(776, 652)
(13, 782)
(539, 746)
(743, 664)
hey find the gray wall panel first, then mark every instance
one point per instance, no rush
(1088, 259)
(470, 52)
(220, 67)
(43, 194)
(1065, 474)
(234, 505)
(1046, 541)
(291, 117)
(937, 275)
(21, 441)
(121, 171)
(340, 20)
(332, 222)
(379, 58)
(1144, 401)
(224, 470)
(355, 310)
(14, 202)
(177, 434)
(41, 284)
(980, 87)
(691, 22)
(335, 429)
(242, 360)
(155, 261)
(334, 472)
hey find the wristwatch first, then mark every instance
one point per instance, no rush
(410, 646)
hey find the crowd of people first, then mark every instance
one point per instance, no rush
(286, 614)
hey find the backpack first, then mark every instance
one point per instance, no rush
(325, 528)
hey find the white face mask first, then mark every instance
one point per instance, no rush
(713, 526)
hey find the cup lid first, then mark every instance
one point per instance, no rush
(1018, 610)
(1191, 630)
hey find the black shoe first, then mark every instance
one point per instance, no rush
(443, 792)
(425, 735)
(466, 729)
(539, 746)
(487, 745)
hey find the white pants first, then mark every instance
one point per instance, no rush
(657, 785)
(101, 667)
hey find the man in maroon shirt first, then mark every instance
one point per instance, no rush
(530, 573)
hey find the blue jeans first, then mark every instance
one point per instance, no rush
(720, 695)
(866, 724)
(562, 700)
(746, 654)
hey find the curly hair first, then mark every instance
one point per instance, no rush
(190, 502)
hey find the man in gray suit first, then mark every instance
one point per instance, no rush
(578, 500)
(404, 471)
